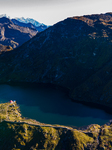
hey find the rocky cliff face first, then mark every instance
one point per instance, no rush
(4, 48)
(74, 53)
(14, 35)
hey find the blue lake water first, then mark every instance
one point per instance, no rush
(52, 106)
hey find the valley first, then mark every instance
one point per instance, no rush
(73, 55)
(73, 59)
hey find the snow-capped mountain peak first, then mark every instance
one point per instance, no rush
(29, 20)
(4, 15)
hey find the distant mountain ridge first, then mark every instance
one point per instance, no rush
(14, 35)
(12, 29)
(24, 20)
(29, 25)
(4, 15)
(39, 28)
(29, 20)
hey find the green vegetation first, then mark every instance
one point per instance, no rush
(19, 133)
(9, 112)
(75, 54)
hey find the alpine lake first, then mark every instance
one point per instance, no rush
(51, 105)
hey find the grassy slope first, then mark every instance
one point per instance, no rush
(19, 133)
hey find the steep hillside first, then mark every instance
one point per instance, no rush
(14, 35)
(74, 53)
(19, 133)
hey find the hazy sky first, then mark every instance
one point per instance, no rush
(52, 11)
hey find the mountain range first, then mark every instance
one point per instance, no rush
(29, 20)
(14, 33)
(39, 27)
(25, 20)
(74, 54)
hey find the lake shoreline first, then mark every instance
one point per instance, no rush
(57, 108)
(66, 91)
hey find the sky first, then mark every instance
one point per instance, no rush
(50, 12)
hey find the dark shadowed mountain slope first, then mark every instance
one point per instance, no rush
(75, 53)
(14, 35)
